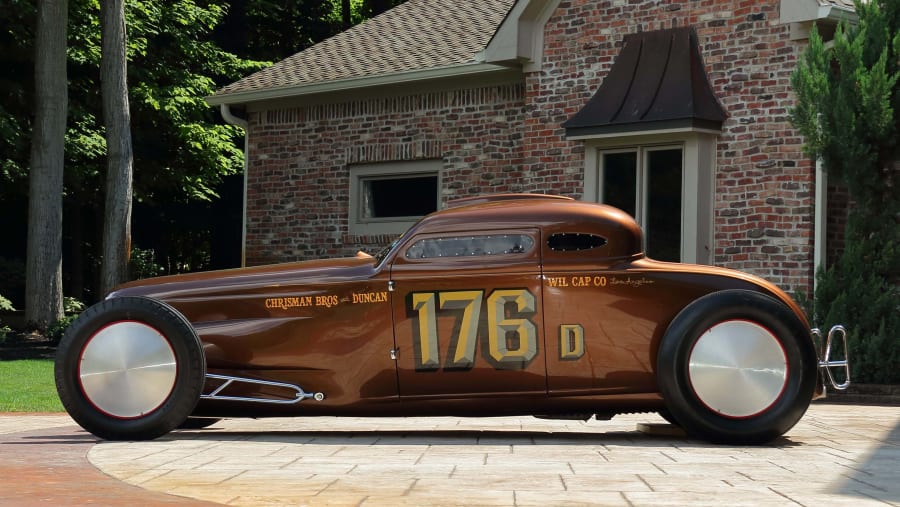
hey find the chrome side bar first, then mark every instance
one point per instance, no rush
(840, 333)
(299, 393)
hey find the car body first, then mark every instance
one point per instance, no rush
(499, 305)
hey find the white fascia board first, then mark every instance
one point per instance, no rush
(504, 45)
(800, 11)
(520, 37)
(638, 133)
(467, 69)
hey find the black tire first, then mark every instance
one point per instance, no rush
(766, 418)
(198, 423)
(119, 403)
(665, 414)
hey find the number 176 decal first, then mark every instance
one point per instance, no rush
(503, 351)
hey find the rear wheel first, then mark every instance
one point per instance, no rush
(130, 368)
(736, 366)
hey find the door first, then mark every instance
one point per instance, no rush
(467, 314)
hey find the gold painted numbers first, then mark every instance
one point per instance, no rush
(512, 340)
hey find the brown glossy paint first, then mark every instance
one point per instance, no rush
(331, 326)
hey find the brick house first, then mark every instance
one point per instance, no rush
(675, 111)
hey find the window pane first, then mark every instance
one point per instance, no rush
(469, 246)
(620, 181)
(411, 196)
(663, 227)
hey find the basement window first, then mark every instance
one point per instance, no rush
(389, 198)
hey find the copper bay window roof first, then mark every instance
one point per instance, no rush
(656, 82)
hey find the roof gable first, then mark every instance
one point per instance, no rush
(414, 36)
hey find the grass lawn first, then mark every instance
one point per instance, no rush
(27, 386)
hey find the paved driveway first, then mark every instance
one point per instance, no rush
(837, 455)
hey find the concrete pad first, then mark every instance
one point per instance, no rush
(836, 455)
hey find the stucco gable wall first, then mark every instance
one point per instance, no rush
(764, 184)
(299, 159)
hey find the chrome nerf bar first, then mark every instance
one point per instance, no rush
(825, 362)
(299, 393)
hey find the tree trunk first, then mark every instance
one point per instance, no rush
(346, 22)
(117, 119)
(43, 286)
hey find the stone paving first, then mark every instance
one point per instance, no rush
(837, 455)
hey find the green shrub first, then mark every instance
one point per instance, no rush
(847, 110)
(857, 293)
(5, 306)
(56, 330)
(12, 279)
(72, 307)
(143, 264)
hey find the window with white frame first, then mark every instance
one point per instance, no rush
(388, 198)
(665, 183)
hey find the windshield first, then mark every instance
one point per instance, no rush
(383, 253)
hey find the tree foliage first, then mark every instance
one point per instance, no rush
(847, 109)
(179, 52)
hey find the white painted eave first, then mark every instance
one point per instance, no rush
(802, 11)
(520, 37)
(452, 71)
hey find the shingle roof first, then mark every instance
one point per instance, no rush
(847, 4)
(416, 35)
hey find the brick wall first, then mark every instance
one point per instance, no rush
(510, 139)
(839, 205)
(764, 184)
(298, 181)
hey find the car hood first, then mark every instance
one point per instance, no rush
(243, 280)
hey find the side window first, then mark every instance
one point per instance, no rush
(573, 241)
(470, 246)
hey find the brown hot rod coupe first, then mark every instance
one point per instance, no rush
(500, 305)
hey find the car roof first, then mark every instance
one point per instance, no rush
(551, 214)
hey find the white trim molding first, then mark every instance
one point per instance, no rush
(698, 183)
(520, 38)
(467, 69)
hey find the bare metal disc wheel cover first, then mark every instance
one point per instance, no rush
(127, 369)
(738, 369)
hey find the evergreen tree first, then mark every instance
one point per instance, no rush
(847, 110)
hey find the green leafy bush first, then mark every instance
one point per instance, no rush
(5, 306)
(143, 264)
(72, 307)
(12, 279)
(56, 330)
(847, 110)
(855, 292)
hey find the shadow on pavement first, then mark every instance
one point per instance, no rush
(877, 476)
(457, 437)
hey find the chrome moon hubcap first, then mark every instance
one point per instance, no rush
(127, 369)
(738, 369)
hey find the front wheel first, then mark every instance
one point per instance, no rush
(130, 368)
(736, 366)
